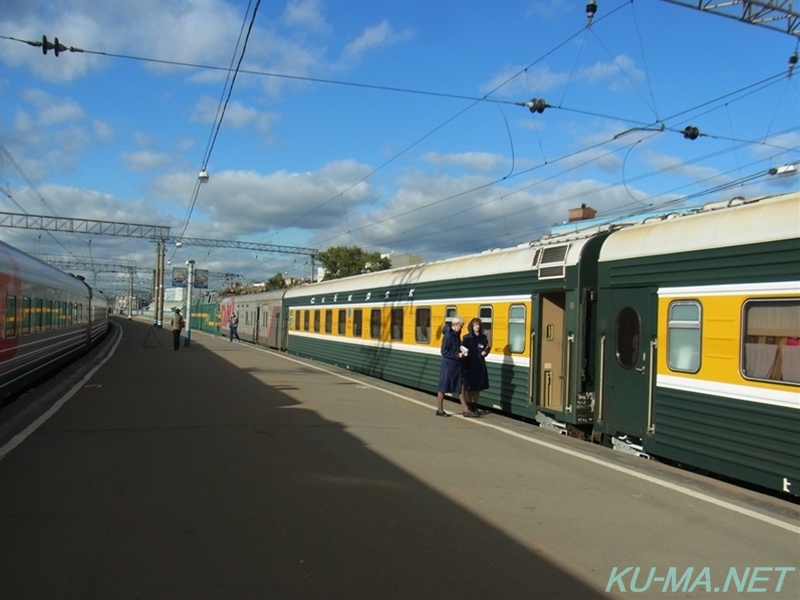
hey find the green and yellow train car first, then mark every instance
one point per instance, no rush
(205, 316)
(536, 303)
(676, 336)
(699, 336)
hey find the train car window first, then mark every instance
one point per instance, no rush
(26, 315)
(683, 336)
(485, 315)
(397, 323)
(516, 329)
(80, 314)
(357, 322)
(771, 340)
(11, 316)
(38, 314)
(422, 326)
(297, 320)
(627, 339)
(316, 321)
(375, 323)
(305, 320)
(449, 313)
(342, 324)
(329, 321)
(48, 315)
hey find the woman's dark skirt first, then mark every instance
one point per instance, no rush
(450, 376)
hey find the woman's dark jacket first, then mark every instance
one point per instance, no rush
(450, 373)
(475, 376)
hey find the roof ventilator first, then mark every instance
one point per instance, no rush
(552, 264)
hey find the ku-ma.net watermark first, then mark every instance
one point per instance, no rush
(743, 579)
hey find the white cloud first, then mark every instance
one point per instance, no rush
(245, 202)
(377, 36)
(103, 132)
(675, 166)
(237, 115)
(50, 109)
(473, 161)
(519, 84)
(621, 74)
(305, 13)
(145, 160)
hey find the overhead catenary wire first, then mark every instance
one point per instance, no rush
(38, 194)
(765, 82)
(488, 99)
(562, 199)
(220, 116)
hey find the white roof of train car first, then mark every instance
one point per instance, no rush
(716, 226)
(34, 271)
(490, 262)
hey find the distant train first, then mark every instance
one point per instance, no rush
(677, 336)
(49, 318)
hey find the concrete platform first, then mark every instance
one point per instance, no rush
(225, 470)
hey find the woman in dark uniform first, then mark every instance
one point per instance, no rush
(450, 373)
(475, 376)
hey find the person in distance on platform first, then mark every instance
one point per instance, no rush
(475, 376)
(233, 326)
(177, 323)
(450, 373)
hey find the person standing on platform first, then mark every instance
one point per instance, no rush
(475, 375)
(177, 323)
(450, 373)
(233, 326)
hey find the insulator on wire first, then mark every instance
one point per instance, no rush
(691, 132)
(591, 8)
(55, 46)
(792, 63)
(537, 105)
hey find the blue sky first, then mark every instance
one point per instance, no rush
(393, 127)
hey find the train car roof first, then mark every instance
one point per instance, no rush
(489, 262)
(716, 225)
(33, 270)
(257, 297)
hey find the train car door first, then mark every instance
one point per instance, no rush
(628, 341)
(550, 364)
(257, 326)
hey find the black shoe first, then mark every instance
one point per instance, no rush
(441, 413)
(471, 414)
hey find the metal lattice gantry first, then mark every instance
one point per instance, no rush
(157, 233)
(95, 266)
(312, 252)
(88, 226)
(775, 14)
(87, 263)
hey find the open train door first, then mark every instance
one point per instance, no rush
(628, 346)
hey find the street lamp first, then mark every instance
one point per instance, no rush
(189, 285)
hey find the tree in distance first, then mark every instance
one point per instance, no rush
(344, 261)
(276, 282)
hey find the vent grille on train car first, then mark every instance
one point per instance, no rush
(553, 262)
